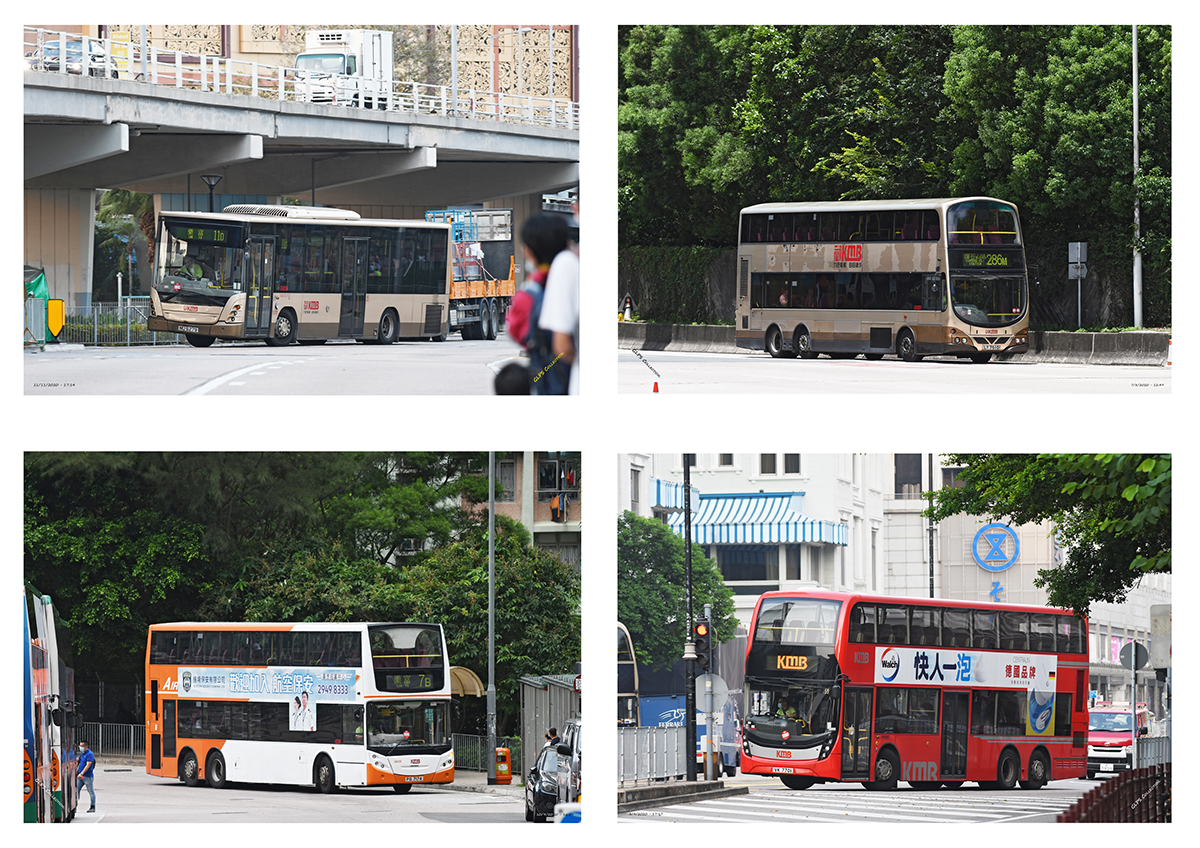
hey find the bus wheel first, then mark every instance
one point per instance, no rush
(981, 358)
(215, 771)
(402, 788)
(793, 781)
(1007, 770)
(953, 784)
(906, 346)
(924, 785)
(200, 341)
(1039, 773)
(285, 329)
(323, 775)
(774, 343)
(389, 327)
(189, 769)
(887, 770)
(802, 344)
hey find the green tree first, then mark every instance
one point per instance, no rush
(1111, 513)
(651, 599)
(537, 617)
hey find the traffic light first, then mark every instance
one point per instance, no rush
(702, 637)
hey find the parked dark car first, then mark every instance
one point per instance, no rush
(541, 787)
(570, 769)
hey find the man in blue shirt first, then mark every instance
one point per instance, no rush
(86, 772)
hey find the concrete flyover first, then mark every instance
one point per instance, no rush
(84, 133)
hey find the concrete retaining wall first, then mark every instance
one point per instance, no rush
(1128, 348)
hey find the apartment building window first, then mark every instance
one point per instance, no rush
(558, 472)
(635, 486)
(791, 463)
(766, 463)
(725, 460)
(506, 481)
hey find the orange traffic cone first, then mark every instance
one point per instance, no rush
(655, 388)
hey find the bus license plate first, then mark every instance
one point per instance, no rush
(993, 347)
(780, 770)
(188, 328)
(1106, 767)
(408, 779)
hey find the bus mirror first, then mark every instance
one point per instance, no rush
(56, 716)
(76, 720)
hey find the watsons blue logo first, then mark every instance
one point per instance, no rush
(996, 547)
(889, 663)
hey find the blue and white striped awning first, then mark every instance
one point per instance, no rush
(751, 519)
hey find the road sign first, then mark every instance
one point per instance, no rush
(55, 316)
(1077, 271)
(1139, 659)
(720, 691)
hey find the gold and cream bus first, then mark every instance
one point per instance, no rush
(916, 278)
(299, 273)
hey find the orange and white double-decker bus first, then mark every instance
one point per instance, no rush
(847, 687)
(915, 278)
(327, 705)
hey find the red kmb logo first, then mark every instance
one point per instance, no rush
(847, 253)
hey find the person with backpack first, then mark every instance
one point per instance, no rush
(544, 237)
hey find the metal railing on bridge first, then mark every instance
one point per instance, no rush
(117, 59)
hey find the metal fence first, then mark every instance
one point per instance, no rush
(651, 753)
(117, 324)
(116, 740)
(1139, 795)
(471, 752)
(173, 68)
(1153, 751)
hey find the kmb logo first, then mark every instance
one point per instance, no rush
(847, 253)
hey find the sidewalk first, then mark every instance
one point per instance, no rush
(476, 781)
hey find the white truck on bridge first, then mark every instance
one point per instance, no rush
(346, 66)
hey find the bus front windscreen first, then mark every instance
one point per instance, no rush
(987, 300)
(199, 259)
(408, 727)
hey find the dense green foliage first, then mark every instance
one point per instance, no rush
(651, 600)
(121, 540)
(712, 119)
(1111, 514)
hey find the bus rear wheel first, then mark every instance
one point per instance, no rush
(389, 327)
(906, 346)
(774, 344)
(803, 344)
(215, 771)
(189, 769)
(1008, 769)
(1039, 773)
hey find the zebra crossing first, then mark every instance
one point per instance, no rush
(844, 804)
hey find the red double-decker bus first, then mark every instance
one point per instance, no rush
(848, 687)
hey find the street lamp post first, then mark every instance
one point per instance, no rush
(211, 181)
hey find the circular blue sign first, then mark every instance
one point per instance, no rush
(996, 547)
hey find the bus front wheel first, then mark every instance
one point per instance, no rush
(793, 781)
(906, 346)
(887, 770)
(323, 775)
(200, 341)
(389, 327)
(285, 329)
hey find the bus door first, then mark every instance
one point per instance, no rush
(354, 287)
(954, 734)
(750, 288)
(856, 732)
(260, 276)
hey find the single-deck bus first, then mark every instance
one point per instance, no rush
(299, 273)
(326, 705)
(910, 277)
(847, 687)
(51, 718)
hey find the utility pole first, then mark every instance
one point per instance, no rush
(491, 687)
(1137, 205)
(689, 647)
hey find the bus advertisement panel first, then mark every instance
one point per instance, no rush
(846, 687)
(319, 704)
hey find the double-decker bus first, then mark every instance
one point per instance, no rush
(847, 687)
(628, 711)
(299, 273)
(329, 705)
(51, 720)
(910, 277)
